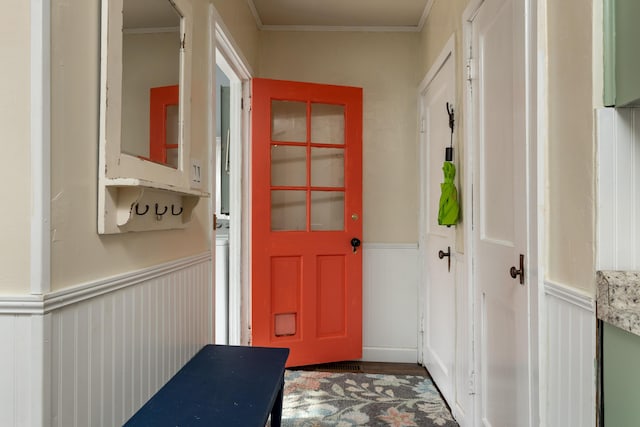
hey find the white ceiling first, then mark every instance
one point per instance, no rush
(381, 15)
(140, 14)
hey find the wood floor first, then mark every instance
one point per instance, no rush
(369, 368)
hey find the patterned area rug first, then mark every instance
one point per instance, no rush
(315, 399)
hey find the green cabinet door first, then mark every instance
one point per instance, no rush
(621, 377)
(621, 52)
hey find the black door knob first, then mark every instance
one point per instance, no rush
(355, 243)
(442, 254)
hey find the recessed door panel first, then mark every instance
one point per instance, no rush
(497, 110)
(331, 296)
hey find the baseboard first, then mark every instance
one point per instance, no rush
(391, 355)
(569, 360)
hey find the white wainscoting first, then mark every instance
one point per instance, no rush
(91, 355)
(618, 170)
(390, 302)
(111, 353)
(570, 357)
(21, 390)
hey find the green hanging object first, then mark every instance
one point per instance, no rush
(449, 208)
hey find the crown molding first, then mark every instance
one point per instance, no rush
(425, 14)
(338, 28)
(254, 12)
(344, 28)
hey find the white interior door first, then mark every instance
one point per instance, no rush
(499, 202)
(440, 310)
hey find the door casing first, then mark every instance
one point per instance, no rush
(239, 195)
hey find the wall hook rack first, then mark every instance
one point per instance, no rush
(146, 209)
(176, 213)
(166, 208)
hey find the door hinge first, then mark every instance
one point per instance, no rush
(422, 323)
(242, 103)
(469, 68)
(472, 383)
(422, 125)
(183, 42)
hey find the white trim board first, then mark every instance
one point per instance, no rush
(40, 79)
(32, 304)
(389, 355)
(570, 295)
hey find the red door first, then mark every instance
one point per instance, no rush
(163, 125)
(307, 208)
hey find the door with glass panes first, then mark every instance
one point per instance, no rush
(307, 220)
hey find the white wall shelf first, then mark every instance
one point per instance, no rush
(132, 204)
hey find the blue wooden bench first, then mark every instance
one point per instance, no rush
(222, 386)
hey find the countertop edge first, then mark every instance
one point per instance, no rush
(618, 299)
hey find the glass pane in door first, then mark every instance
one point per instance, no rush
(327, 210)
(327, 167)
(288, 165)
(327, 124)
(289, 121)
(288, 210)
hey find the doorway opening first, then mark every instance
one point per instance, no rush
(231, 207)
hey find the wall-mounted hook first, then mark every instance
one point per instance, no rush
(146, 209)
(448, 152)
(452, 117)
(176, 213)
(159, 214)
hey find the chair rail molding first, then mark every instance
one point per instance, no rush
(42, 304)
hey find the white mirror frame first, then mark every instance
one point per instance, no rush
(123, 179)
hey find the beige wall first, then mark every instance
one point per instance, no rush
(570, 150)
(239, 20)
(385, 65)
(570, 202)
(443, 22)
(79, 254)
(14, 139)
(445, 19)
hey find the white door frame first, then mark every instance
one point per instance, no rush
(239, 192)
(534, 176)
